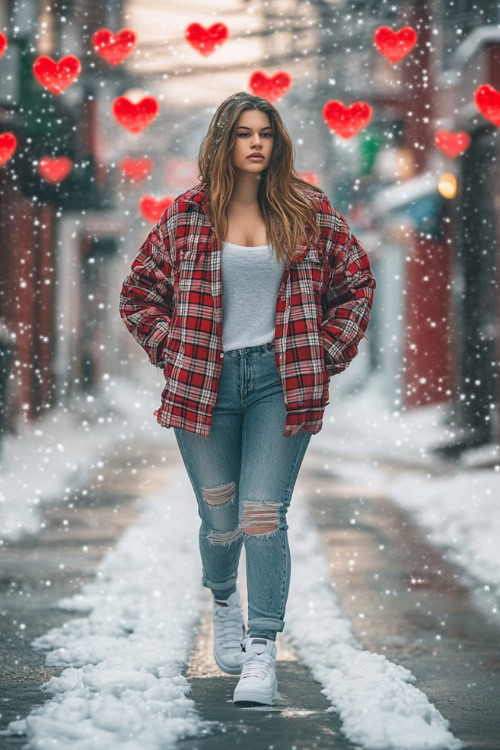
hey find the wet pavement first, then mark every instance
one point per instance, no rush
(404, 598)
(36, 571)
(298, 719)
(405, 601)
(408, 602)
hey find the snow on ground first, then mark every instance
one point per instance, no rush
(459, 511)
(122, 684)
(62, 449)
(461, 514)
(358, 422)
(377, 705)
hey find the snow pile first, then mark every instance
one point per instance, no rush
(59, 451)
(359, 423)
(378, 707)
(461, 513)
(122, 683)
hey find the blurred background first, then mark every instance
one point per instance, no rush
(430, 222)
(395, 524)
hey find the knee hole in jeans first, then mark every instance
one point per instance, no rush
(260, 517)
(223, 537)
(221, 495)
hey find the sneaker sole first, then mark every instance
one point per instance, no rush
(250, 700)
(252, 697)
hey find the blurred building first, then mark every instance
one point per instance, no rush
(436, 315)
(474, 220)
(46, 244)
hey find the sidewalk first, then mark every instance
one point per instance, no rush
(127, 670)
(428, 671)
(456, 503)
(388, 641)
(409, 601)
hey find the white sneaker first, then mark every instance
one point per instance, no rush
(257, 683)
(229, 631)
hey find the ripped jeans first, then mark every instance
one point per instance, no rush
(243, 474)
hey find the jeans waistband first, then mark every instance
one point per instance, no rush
(260, 348)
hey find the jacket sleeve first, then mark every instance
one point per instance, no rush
(147, 294)
(349, 297)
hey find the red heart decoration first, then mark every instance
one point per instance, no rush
(272, 87)
(114, 48)
(152, 208)
(206, 40)
(55, 169)
(56, 76)
(8, 144)
(346, 121)
(3, 43)
(394, 45)
(135, 117)
(452, 144)
(311, 177)
(136, 168)
(487, 100)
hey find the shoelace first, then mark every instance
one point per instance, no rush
(254, 665)
(228, 627)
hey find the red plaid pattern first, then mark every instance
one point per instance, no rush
(171, 302)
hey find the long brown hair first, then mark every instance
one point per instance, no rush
(289, 213)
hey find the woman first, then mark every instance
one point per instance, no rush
(246, 388)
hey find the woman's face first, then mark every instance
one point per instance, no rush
(254, 135)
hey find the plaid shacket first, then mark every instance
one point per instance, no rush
(171, 302)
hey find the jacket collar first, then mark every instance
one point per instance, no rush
(199, 195)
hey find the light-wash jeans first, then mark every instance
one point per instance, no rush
(243, 474)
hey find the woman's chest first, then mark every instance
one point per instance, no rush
(246, 227)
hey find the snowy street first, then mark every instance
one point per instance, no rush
(250, 301)
(388, 642)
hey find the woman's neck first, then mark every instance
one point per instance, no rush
(245, 189)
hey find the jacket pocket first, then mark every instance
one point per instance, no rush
(313, 267)
(172, 349)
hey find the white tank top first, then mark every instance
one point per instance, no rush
(251, 278)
